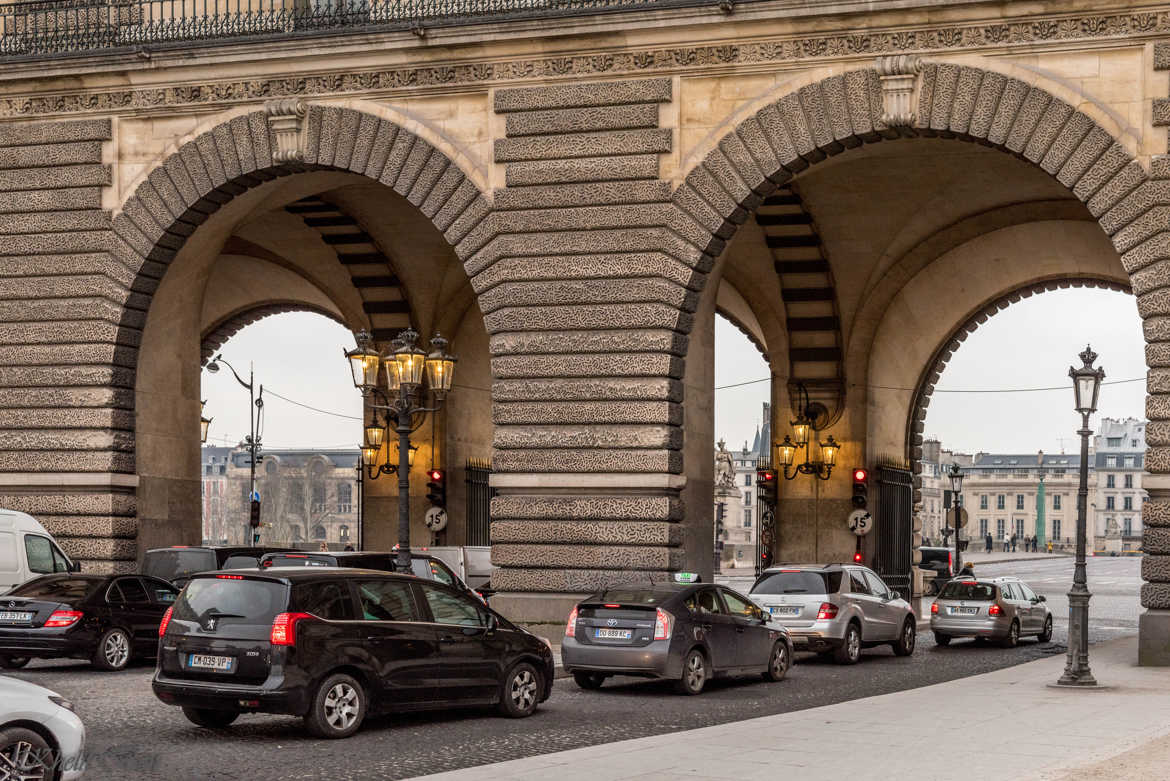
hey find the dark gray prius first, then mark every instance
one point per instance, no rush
(688, 633)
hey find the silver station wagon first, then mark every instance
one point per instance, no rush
(1000, 609)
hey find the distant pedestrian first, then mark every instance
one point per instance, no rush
(348, 547)
(1007, 542)
(325, 547)
(988, 541)
(1013, 543)
(1033, 543)
(926, 542)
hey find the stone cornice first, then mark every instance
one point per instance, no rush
(986, 36)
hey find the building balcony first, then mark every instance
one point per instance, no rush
(52, 28)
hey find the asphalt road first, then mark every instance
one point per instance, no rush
(132, 735)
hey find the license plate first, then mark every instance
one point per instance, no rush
(614, 634)
(203, 662)
(786, 610)
(9, 615)
(962, 611)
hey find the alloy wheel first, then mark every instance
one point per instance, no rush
(523, 689)
(341, 706)
(779, 660)
(116, 649)
(696, 671)
(908, 637)
(22, 761)
(854, 641)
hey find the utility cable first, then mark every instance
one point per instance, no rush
(950, 390)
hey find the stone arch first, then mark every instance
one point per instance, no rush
(225, 329)
(925, 387)
(286, 137)
(1013, 112)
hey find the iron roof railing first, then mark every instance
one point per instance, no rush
(52, 28)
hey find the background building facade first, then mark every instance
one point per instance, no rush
(1116, 495)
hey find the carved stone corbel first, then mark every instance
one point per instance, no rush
(899, 77)
(286, 121)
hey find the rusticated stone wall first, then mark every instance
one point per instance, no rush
(586, 289)
(66, 370)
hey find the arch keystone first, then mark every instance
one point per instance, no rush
(286, 122)
(899, 76)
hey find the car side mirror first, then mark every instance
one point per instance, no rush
(75, 566)
(895, 595)
(493, 623)
(1041, 598)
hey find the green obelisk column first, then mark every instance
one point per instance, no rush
(1040, 531)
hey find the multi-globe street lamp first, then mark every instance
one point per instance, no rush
(956, 475)
(1086, 387)
(405, 366)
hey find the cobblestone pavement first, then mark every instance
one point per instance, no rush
(132, 735)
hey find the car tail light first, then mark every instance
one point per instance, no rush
(230, 577)
(827, 610)
(571, 627)
(950, 561)
(933, 607)
(166, 621)
(994, 610)
(284, 628)
(62, 618)
(618, 606)
(663, 624)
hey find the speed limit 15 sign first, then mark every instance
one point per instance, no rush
(860, 522)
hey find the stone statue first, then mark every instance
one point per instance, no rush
(724, 467)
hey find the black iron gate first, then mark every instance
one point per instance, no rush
(894, 528)
(479, 502)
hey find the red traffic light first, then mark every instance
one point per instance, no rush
(435, 474)
(857, 557)
(860, 475)
(769, 476)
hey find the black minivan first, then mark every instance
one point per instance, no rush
(331, 645)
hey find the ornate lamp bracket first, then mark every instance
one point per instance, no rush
(899, 76)
(286, 121)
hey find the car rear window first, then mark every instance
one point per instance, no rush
(299, 560)
(976, 592)
(239, 561)
(235, 601)
(178, 563)
(57, 589)
(798, 582)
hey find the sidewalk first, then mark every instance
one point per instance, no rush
(1000, 557)
(1007, 724)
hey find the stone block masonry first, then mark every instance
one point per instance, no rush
(66, 363)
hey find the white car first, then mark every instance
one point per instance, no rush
(40, 735)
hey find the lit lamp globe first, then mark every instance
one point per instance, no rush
(410, 359)
(786, 452)
(1087, 382)
(204, 423)
(956, 475)
(363, 363)
(800, 431)
(369, 456)
(829, 450)
(440, 366)
(375, 434)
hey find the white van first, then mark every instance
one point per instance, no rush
(27, 550)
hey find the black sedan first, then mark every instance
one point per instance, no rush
(108, 619)
(688, 633)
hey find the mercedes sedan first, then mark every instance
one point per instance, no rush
(684, 632)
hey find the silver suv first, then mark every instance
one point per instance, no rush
(836, 609)
(995, 608)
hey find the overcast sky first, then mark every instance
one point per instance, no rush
(1030, 344)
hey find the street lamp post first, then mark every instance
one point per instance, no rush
(1086, 387)
(956, 475)
(405, 366)
(255, 405)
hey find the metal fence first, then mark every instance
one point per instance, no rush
(43, 28)
(479, 502)
(894, 527)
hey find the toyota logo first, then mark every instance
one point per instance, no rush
(611, 622)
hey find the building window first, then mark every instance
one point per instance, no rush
(1129, 461)
(1127, 503)
(1111, 462)
(1056, 528)
(344, 529)
(318, 497)
(1109, 504)
(1113, 441)
(345, 498)
(747, 518)
(999, 527)
(1127, 527)
(747, 479)
(983, 502)
(1000, 503)
(318, 532)
(1129, 481)
(1056, 501)
(1110, 482)
(1019, 527)
(1019, 501)
(982, 527)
